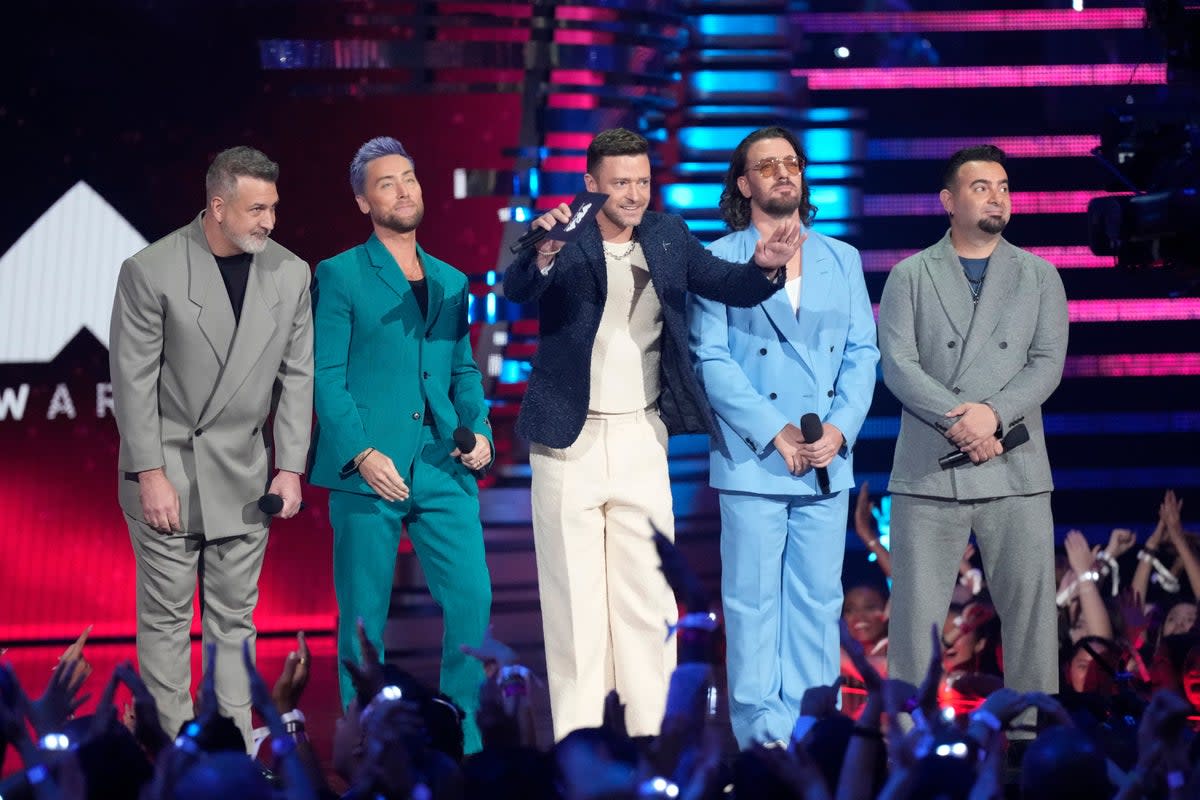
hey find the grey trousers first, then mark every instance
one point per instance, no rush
(167, 571)
(1015, 536)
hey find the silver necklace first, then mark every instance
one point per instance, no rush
(623, 254)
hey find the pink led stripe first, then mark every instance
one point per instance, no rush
(1133, 365)
(1143, 310)
(1101, 311)
(1061, 257)
(1058, 19)
(983, 77)
(1016, 146)
(927, 205)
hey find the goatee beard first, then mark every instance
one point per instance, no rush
(992, 225)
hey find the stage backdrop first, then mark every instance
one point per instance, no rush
(109, 153)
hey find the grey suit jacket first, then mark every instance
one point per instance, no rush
(192, 391)
(938, 351)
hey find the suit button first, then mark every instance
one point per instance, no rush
(773, 395)
(254, 432)
(762, 351)
(751, 443)
(1004, 345)
(416, 415)
(425, 375)
(951, 344)
(830, 393)
(199, 431)
(957, 390)
(831, 348)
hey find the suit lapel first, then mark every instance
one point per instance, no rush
(592, 247)
(207, 291)
(945, 272)
(433, 284)
(254, 329)
(998, 286)
(796, 332)
(390, 274)
(815, 285)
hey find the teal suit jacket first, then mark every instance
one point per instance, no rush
(377, 362)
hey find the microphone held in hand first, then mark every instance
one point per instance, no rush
(811, 427)
(1016, 436)
(272, 504)
(529, 238)
(464, 440)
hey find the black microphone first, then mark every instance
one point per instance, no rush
(272, 504)
(1016, 436)
(464, 440)
(529, 238)
(811, 427)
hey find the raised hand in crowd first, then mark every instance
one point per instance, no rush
(490, 652)
(1171, 514)
(1120, 541)
(1084, 577)
(289, 686)
(367, 674)
(290, 764)
(867, 529)
(510, 696)
(141, 715)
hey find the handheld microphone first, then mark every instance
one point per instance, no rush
(272, 504)
(529, 238)
(464, 440)
(811, 427)
(1016, 436)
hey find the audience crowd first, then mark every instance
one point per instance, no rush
(1123, 725)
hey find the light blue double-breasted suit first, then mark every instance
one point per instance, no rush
(781, 540)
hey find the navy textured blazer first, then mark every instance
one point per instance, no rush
(570, 301)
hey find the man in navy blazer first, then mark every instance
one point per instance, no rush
(610, 381)
(809, 349)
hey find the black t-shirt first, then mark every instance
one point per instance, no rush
(235, 272)
(420, 290)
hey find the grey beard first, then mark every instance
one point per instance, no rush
(992, 225)
(248, 243)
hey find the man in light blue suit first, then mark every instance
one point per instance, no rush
(808, 349)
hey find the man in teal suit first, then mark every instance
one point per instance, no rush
(394, 378)
(807, 350)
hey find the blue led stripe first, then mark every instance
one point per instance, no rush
(742, 82)
(741, 25)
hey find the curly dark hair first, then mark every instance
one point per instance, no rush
(735, 209)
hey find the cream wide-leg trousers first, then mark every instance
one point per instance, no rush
(606, 608)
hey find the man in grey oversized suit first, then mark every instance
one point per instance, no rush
(211, 333)
(973, 336)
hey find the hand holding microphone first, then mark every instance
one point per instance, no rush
(283, 496)
(271, 504)
(466, 443)
(536, 235)
(1016, 436)
(814, 430)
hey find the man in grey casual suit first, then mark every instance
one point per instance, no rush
(973, 335)
(211, 333)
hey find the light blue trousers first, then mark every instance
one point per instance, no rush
(781, 585)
